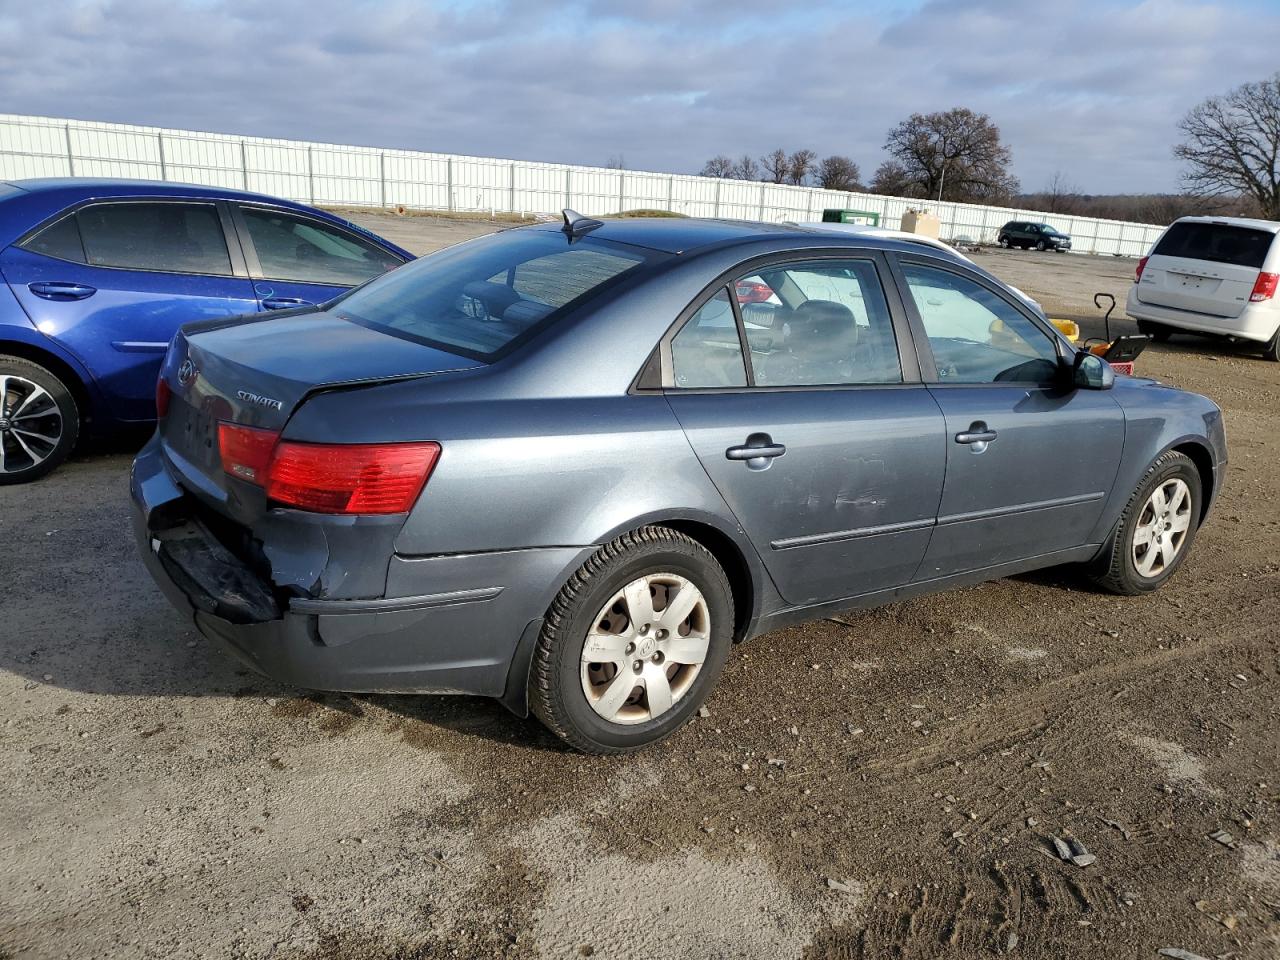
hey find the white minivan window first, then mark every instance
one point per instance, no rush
(1217, 243)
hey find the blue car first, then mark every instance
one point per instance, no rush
(99, 274)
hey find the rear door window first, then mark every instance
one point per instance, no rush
(836, 328)
(1217, 243)
(292, 247)
(61, 240)
(707, 352)
(169, 237)
(824, 323)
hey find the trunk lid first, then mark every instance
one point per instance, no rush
(1205, 267)
(257, 371)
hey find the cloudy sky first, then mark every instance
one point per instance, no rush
(1093, 89)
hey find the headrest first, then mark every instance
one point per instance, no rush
(822, 328)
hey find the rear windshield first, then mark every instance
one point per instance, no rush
(1217, 242)
(481, 297)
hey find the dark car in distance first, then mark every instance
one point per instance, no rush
(1025, 234)
(568, 467)
(99, 274)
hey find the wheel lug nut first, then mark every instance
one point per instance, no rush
(638, 666)
(631, 648)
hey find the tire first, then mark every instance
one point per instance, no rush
(50, 421)
(1040, 246)
(575, 699)
(1157, 331)
(1120, 569)
(1004, 242)
(1271, 350)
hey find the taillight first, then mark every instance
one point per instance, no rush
(328, 477)
(246, 451)
(1264, 288)
(163, 394)
(1142, 265)
(350, 478)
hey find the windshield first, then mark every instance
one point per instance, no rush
(479, 298)
(1045, 228)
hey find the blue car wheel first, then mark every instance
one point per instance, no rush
(39, 421)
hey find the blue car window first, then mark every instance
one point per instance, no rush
(61, 240)
(171, 237)
(834, 330)
(976, 336)
(706, 352)
(304, 250)
(481, 297)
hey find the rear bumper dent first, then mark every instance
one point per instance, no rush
(455, 629)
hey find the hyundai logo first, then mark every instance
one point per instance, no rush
(187, 372)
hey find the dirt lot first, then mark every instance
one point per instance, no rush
(881, 785)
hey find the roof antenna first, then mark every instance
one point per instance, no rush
(575, 224)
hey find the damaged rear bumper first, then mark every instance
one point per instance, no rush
(447, 624)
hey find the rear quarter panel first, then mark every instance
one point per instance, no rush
(525, 472)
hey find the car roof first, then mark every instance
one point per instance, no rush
(866, 230)
(1270, 226)
(681, 234)
(90, 187)
(33, 201)
(684, 235)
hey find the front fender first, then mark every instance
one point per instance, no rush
(1160, 418)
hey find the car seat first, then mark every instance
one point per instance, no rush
(819, 346)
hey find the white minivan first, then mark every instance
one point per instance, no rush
(1214, 275)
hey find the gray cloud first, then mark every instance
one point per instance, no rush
(1092, 89)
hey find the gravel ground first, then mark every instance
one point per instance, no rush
(885, 784)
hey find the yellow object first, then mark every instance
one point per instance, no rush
(1068, 328)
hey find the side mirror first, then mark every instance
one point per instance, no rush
(1091, 372)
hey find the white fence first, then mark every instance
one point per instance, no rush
(336, 175)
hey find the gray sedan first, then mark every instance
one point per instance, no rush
(569, 466)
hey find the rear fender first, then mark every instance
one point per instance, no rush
(19, 338)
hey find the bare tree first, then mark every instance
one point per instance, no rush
(616, 163)
(776, 166)
(838, 173)
(799, 166)
(1061, 195)
(1233, 145)
(746, 169)
(893, 179)
(952, 155)
(718, 166)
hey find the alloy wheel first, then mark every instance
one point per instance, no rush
(1162, 528)
(645, 648)
(30, 424)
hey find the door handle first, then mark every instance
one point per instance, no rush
(977, 436)
(61, 290)
(285, 303)
(758, 452)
